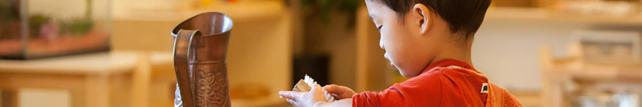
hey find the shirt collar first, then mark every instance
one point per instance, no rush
(449, 62)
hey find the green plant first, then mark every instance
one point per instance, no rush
(36, 22)
(77, 26)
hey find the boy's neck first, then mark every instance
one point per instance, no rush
(460, 50)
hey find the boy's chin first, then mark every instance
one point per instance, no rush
(405, 74)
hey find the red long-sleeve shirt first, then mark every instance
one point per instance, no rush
(446, 83)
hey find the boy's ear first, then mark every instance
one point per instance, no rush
(423, 17)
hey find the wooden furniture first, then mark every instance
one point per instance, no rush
(564, 78)
(107, 79)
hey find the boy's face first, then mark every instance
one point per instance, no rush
(407, 47)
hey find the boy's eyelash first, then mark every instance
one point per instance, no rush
(379, 27)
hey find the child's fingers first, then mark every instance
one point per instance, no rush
(290, 94)
(291, 101)
(291, 97)
(331, 88)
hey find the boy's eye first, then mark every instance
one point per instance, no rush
(379, 27)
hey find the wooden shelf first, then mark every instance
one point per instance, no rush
(237, 11)
(98, 63)
(548, 15)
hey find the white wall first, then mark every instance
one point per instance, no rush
(508, 50)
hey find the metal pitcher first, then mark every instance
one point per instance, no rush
(200, 45)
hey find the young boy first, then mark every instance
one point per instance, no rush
(429, 42)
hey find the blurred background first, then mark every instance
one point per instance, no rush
(118, 53)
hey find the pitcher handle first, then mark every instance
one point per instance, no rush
(183, 52)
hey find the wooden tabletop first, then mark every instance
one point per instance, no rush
(95, 63)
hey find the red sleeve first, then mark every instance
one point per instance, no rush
(423, 90)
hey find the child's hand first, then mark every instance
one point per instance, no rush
(304, 99)
(339, 92)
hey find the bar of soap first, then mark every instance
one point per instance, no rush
(306, 84)
(301, 86)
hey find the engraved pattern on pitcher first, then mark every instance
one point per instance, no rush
(212, 90)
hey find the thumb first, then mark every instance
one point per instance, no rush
(334, 89)
(337, 89)
(340, 92)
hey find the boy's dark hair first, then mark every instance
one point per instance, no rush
(461, 15)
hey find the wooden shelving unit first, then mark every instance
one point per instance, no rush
(564, 79)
